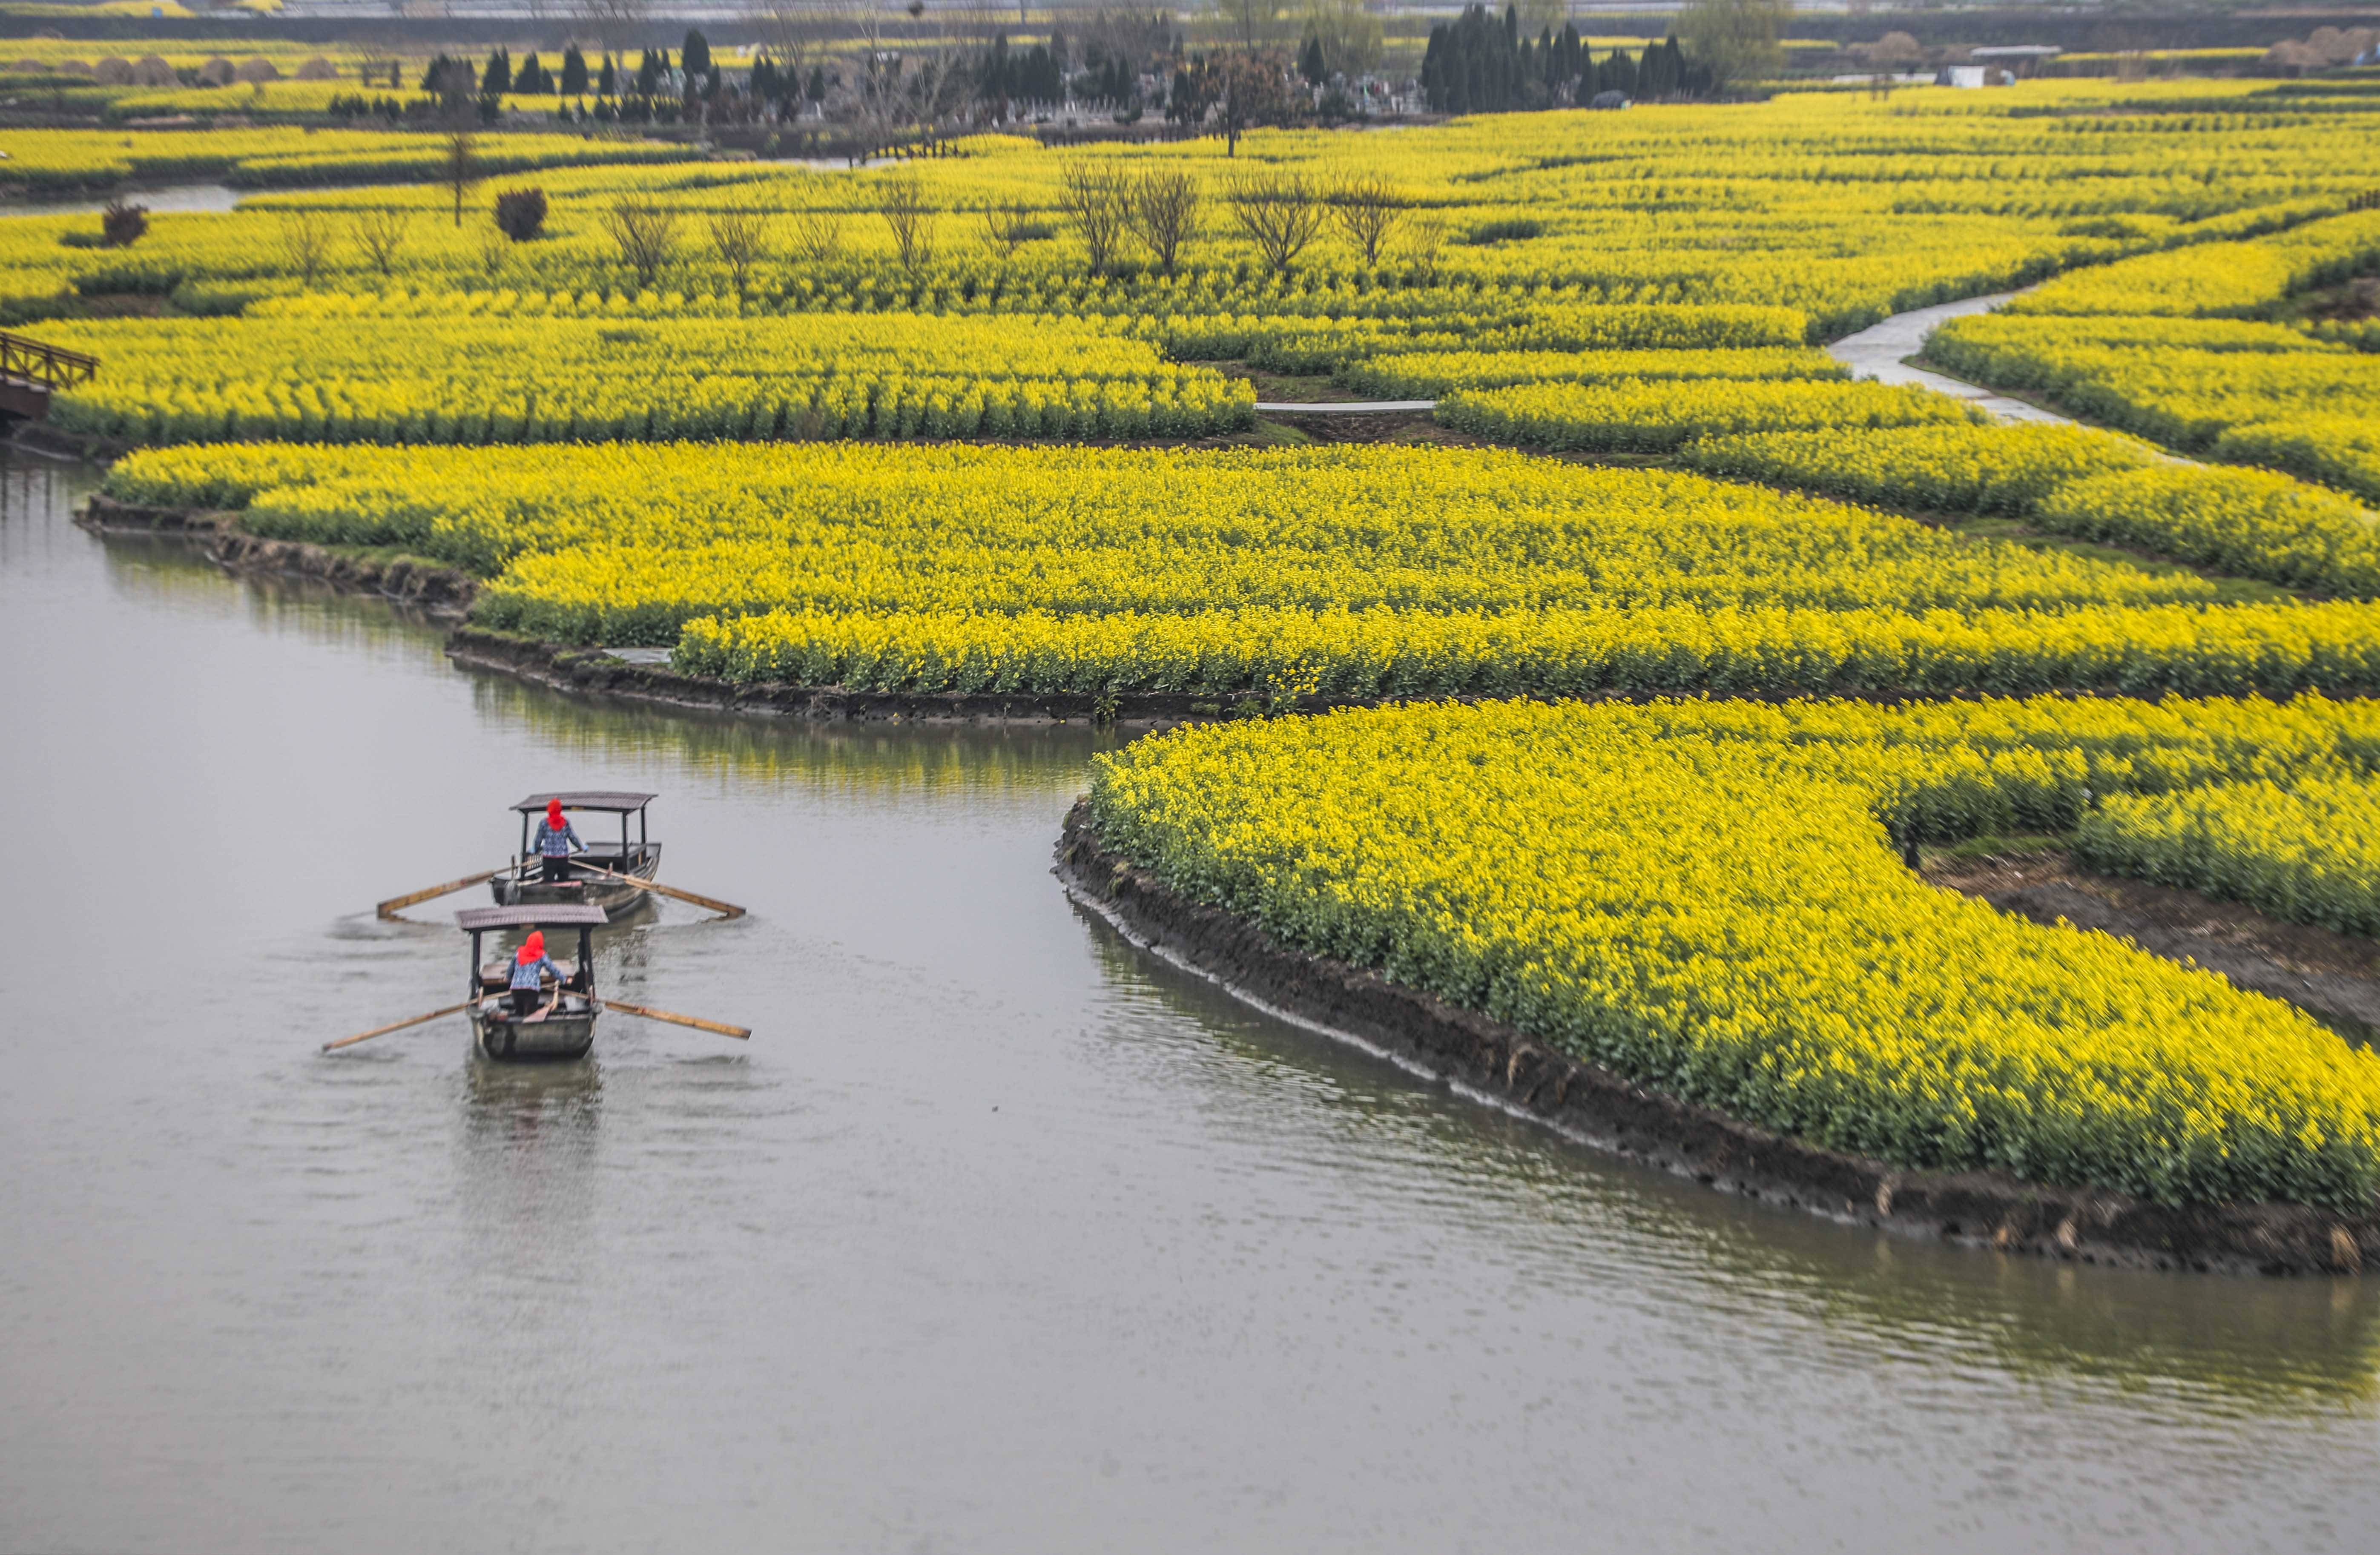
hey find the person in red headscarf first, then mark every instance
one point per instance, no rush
(531, 965)
(556, 842)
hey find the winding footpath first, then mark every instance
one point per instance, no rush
(1876, 351)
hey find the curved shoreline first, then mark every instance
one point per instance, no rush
(1490, 1062)
(1482, 1059)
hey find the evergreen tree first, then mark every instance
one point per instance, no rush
(694, 58)
(1310, 61)
(1619, 74)
(1657, 72)
(1476, 65)
(573, 72)
(499, 75)
(648, 73)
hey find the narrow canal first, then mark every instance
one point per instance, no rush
(997, 1237)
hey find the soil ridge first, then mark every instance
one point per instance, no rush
(1507, 1068)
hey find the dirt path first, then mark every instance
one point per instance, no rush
(1876, 351)
(2334, 977)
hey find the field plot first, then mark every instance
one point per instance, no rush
(1340, 573)
(2173, 347)
(465, 378)
(1705, 897)
(786, 423)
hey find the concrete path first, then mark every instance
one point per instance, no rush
(1875, 352)
(1343, 408)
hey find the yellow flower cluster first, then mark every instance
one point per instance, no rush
(2240, 520)
(1956, 468)
(1627, 417)
(1705, 897)
(465, 380)
(1428, 374)
(1369, 571)
(2307, 851)
(1825, 203)
(2338, 450)
(2215, 279)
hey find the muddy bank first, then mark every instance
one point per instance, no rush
(442, 590)
(2333, 976)
(1509, 1069)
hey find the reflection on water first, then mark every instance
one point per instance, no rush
(2245, 1346)
(1120, 1261)
(883, 760)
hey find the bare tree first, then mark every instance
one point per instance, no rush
(911, 220)
(381, 232)
(740, 239)
(646, 235)
(458, 166)
(1368, 211)
(1097, 199)
(1165, 213)
(306, 242)
(818, 235)
(1010, 228)
(1279, 213)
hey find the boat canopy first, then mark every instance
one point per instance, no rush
(590, 799)
(559, 914)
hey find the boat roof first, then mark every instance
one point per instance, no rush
(590, 799)
(557, 915)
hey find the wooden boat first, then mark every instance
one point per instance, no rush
(522, 883)
(565, 1027)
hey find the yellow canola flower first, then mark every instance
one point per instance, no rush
(1706, 898)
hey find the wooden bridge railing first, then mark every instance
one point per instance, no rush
(35, 362)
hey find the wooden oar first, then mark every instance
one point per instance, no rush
(724, 909)
(740, 1033)
(397, 1025)
(394, 904)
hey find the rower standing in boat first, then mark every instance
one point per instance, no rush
(556, 842)
(530, 965)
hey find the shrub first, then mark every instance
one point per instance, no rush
(121, 226)
(521, 214)
(1512, 229)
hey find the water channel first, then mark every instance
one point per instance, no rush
(998, 1237)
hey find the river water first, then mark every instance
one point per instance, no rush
(998, 1237)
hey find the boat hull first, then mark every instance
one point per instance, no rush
(510, 890)
(566, 1034)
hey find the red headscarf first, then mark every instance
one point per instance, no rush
(532, 947)
(554, 814)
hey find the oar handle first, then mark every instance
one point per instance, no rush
(741, 1034)
(397, 1025)
(391, 908)
(724, 909)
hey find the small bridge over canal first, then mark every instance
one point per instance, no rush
(30, 370)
